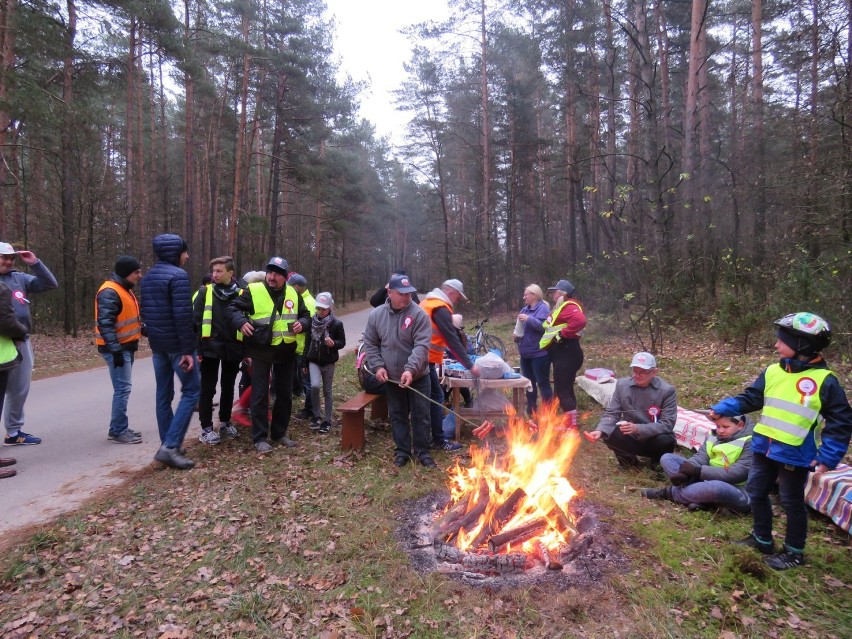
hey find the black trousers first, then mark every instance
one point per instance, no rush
(567, 358)
(282, 380)
(209, 376)
(626, 448)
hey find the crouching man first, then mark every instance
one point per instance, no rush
(716, 475)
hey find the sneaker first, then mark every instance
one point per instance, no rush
(127, 437)
(325, 427)
(425, 460)
(21, 439)
(172, 457)
(209, 436)
(304, 414)
(752, 542)
(450, 446)
(785, 559)
(658, 493)
(315, 423)
(135, 433)
(285, 441)
(400, 460)
(262, 446)
(227, 429)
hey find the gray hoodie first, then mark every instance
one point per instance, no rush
(398, 341)
(737, 472)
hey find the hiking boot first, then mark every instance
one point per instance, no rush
(316, 423)
(425, 460)
(209, 436)
(172, 457)
(325, 427)
(400, 460)
(658, 493)
(227, 429)
(262, 446)
(785, 559)
(8, 472)
(21, 439)
(127, 437)
(285, 441)
(766, 548)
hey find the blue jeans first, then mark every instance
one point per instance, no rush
(712, 491)
(436, 411)
(174, 424)
(537, 370)
(791, 490)
(121, 385)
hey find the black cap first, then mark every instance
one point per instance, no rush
(278, 264)
(125, 265)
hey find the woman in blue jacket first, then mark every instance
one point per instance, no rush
(535, 363)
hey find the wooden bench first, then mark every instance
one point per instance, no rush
(352, 432)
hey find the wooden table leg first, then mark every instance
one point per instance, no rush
(456, 404)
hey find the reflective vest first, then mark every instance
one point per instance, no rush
(551, 330)
(726, 454)
(311, 305)
(8, 350)
(439, 344)
(128, 327)
(791, 404)
(264, 312)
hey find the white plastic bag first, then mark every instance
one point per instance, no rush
(492, 366)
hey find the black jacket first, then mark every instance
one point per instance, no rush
(222, 343)
(324, 354)
(109, 307)
(9, 326)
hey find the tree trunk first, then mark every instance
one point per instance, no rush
(69, 227)
(241, 137)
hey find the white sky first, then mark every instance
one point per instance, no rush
(372, 49)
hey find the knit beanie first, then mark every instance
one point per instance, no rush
(125, 265)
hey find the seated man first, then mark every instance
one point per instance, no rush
(640, 418)
(715, 475)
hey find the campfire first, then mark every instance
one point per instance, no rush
(509, 511)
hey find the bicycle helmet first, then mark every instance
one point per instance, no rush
(805, 333)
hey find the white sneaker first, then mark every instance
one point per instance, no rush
(227, 429)
(209, 436)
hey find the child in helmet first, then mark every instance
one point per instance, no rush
(795, 395)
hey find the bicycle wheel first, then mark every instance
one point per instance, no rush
(494, 343)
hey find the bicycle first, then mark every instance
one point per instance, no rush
(482, 342)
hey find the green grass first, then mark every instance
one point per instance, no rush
(301, 543)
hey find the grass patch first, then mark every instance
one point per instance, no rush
(301, 543)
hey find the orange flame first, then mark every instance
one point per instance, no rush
(537, 460)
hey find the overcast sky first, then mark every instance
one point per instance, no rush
(371, 48)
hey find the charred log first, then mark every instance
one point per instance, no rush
(517, 535)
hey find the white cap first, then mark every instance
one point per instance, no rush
(644, 360)
(456, 285)
(7, 249)
(324, 300)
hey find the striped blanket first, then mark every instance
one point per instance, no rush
(831, 494)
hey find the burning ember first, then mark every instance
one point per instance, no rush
(506, 509)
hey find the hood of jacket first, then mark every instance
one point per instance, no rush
(437, 292)
(168, 248)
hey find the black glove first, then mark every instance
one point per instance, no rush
(690, 470)
(118, 359)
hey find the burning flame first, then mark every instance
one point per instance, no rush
(532, 473)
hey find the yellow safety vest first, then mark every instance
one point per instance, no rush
(8, 350)
(791, 404)
(551, 330)
(128, 326)
(311, 305)
(725, 455)
(264, 312)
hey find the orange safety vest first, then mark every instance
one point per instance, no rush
(439, 345)
(128, 327)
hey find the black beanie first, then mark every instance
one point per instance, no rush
(798, 343)
(125, 265)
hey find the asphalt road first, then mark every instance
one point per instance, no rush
(75, 459)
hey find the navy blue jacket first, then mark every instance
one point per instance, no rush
(166, 299)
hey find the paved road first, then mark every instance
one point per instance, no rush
(75, 460)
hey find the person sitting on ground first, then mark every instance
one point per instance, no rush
(322, 350)
(640, 418)
(797, 395)
(716, 475)
(379, 297)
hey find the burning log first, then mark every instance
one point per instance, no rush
(448, 553)
(499, 564)
(544, 554)
(518, 535)
(446, 520)
(504, 513)
(577, 546)
(471, 517)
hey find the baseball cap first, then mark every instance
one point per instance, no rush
(324, 300)
(7, 249)
(644, 360)
(456, 285)
(401, 284)
(278, 264)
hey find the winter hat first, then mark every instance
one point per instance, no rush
(125, 265)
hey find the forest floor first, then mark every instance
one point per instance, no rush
(307, 542)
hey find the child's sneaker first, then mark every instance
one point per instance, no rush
(209, 436)
(752, 542)
(785, 559)
(21, 439)
(227, 429)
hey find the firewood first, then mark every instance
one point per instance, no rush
(450, 515)
(577, 546)
(498, 564)
(544, 554)
(504, 513)
(448, 553)
(518, 535)
(471, 517)
(556, 515)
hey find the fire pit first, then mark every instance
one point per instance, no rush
(511, 511)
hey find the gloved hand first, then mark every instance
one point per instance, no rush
(118, 359)
(679, 479)
(692, 471)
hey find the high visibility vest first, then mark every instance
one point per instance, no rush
(791, 404)
(726, 454)
(439, 343)
(207, 314)
(128, 326)
(311, 305)
(8, 350)
(264, 312)
(551, 330)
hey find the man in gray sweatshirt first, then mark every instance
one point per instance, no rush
(23, 285)
(396, 341)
